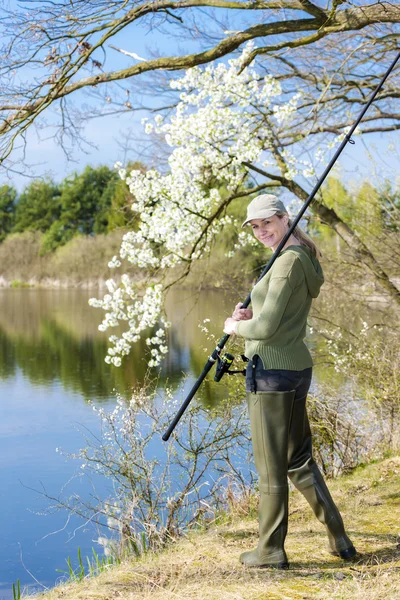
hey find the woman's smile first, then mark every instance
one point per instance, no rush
(266, 238)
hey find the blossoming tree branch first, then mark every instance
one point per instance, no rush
(228, 123)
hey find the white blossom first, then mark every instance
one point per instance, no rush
(225, 117)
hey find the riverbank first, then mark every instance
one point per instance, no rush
(204, 565)
(82, 262)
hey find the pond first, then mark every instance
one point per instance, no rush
(51, 364)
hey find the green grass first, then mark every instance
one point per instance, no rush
(16, 283)
(16, 590)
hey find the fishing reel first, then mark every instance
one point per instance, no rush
(224, 364)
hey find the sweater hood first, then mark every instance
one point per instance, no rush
(311, 267)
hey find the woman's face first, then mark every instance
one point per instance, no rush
(270, 231)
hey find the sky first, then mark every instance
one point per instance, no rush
(371, 155)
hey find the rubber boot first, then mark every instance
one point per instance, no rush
(305, 475)
(270, 415)
(309, 481)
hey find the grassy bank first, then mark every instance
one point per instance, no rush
(83, 261)
(204, 566)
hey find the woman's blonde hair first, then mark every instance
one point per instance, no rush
(299, 234)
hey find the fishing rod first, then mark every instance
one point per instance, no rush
(224, 363)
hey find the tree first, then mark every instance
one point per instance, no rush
(227, 125)
(8, 196)
(86, 201)
(390, 206)
(84, 207)
(60, 48)
(38, 206)
(354, 43)
(367, 216)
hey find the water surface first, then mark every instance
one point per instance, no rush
(51, 364)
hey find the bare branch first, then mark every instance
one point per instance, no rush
(65, 40)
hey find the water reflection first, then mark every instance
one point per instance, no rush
(52, 335)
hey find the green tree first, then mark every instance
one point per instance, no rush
(38, 206)
(335, 196)
(120, 213)
(85, 201)
(389, 199)
(367, 217)
(85, 205)
(57, 235)
(8, 196)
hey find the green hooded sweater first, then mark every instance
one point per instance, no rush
(281, 301)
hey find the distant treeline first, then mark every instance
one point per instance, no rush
(88, 203)
(96, 201)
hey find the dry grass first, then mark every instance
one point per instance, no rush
(83, 260)
(204, 566)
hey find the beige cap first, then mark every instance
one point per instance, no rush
(262, 207)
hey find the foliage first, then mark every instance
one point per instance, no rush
(38, 206)
(8, 196)
(361, 208)
(57, 235)
(19, 284)
(83, 259)
(340, 438)
(120, 214)
(20, 257)
(372, 358)
(85, 202)
(16, 590)
(390, 206)
(94, 567)
(93, 202)
(366, 208)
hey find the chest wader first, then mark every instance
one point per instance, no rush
(270, 415)
(282, 446)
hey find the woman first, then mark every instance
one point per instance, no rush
(278, 377)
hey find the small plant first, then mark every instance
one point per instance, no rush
(95, 566)
(98, 565)
(77, 574)
(16, 283)
(155, 499)
(16, 590)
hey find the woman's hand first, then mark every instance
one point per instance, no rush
(242, 314)
(229, 326)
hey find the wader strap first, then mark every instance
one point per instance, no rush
(253, 382)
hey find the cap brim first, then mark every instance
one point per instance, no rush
(265, 214)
